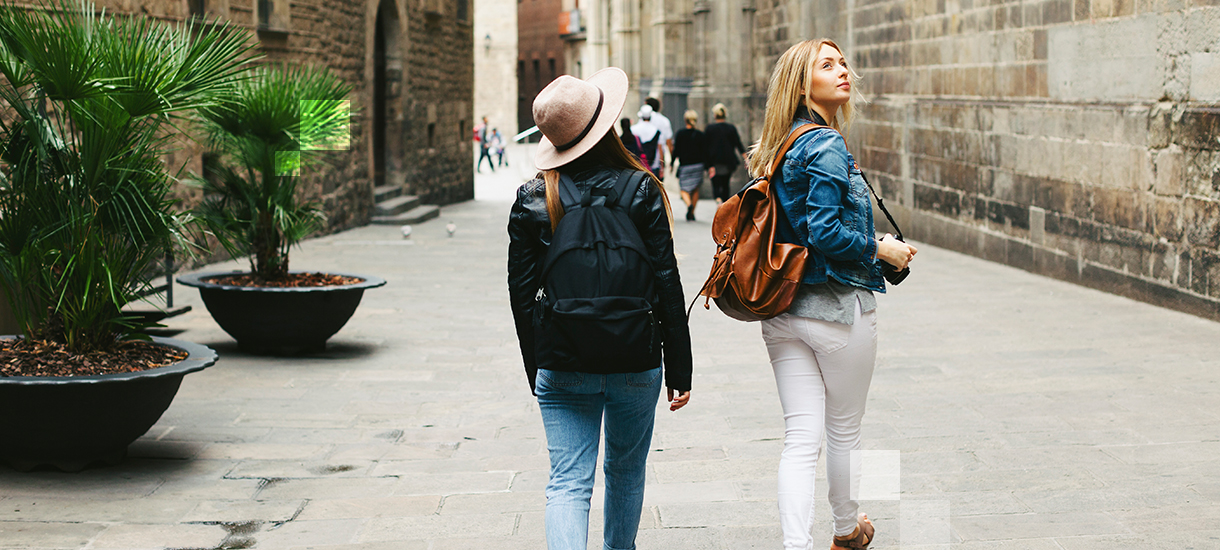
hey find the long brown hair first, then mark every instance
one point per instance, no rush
(792, 74)
(608, 152)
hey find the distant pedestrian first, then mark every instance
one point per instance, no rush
(650, 139)
(824, 348)
(575, 369)
(631, 142)
(497, 147)
(725, 152)
(690, 152)
(483, 136)
(667, 132)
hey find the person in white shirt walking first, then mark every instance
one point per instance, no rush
(667, 132)
(651, 139)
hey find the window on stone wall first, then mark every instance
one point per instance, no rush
(537, 75)
(431, 134)
(273, 14)
(551, 65)
(196, 8)
(462, 10)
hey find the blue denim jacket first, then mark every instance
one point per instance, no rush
(827, 206)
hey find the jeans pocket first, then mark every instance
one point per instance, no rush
(778, 328)
(646, 379)
(558, 379)
(826, 336)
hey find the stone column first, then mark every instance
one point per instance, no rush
(754, 109)
(625, 39)
(698, 99)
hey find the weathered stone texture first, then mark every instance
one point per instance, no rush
(1041, 132)
(430, 158)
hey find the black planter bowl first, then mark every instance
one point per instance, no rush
(280, 321)
(70, 422)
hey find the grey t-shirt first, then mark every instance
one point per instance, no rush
(831, 301)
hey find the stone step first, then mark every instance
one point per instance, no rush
(396, 205)
(383, 193)
(418, 214)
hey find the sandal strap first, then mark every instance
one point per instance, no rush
(859, 539)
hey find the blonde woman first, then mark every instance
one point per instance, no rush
(823, 349)
(690, 152)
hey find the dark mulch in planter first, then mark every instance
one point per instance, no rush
(291, 281)
(41, 358)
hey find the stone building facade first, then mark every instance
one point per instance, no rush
(690, 54)
(495, 64)
(540, 54)
(1079, 139)
(410, 64)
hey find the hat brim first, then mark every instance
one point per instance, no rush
(613, 83)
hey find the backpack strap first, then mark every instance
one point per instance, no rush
(618, 195)
(783, 150)
(779, 155)
(569, 194)
(627, 185)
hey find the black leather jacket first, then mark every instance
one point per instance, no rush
(529, 233)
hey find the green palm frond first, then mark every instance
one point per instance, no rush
(85, 202)
(271, 128)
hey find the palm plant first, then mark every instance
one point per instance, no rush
(89, 105)
(265, 133)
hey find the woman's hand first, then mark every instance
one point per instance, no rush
(678, 402)
(895, 252)
(711, 172)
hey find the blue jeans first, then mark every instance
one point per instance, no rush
(573, 405)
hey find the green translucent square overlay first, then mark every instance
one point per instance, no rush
(288, 163)
(326, 124)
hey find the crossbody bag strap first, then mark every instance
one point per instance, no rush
(881, 204)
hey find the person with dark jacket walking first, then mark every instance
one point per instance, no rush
(629, 140)
(581, 156)
(725, 152)
(690, 152)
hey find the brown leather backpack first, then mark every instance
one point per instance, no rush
(753, 277)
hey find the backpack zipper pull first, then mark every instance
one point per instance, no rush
(540, 295)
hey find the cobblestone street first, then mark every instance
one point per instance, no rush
(1023, 413)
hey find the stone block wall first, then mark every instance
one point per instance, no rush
(437, 87)
(439, 81)
(1075, 138)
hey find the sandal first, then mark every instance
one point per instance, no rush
(860, 538)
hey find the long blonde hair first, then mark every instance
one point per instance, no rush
(793, 73)
(609, 151)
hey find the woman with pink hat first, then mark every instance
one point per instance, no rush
(597, 301)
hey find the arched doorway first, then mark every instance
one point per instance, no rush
(387, 97)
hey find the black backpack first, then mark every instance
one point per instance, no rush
(649, 149)
(594, 309)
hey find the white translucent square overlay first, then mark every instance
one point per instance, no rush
(924, 525)
(875, 475)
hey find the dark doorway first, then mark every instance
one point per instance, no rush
(387, 97)
(379, 107)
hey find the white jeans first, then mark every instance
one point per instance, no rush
(822, 371)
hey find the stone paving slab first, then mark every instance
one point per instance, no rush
(1026, 413)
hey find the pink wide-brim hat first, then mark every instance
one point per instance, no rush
(574, 114)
